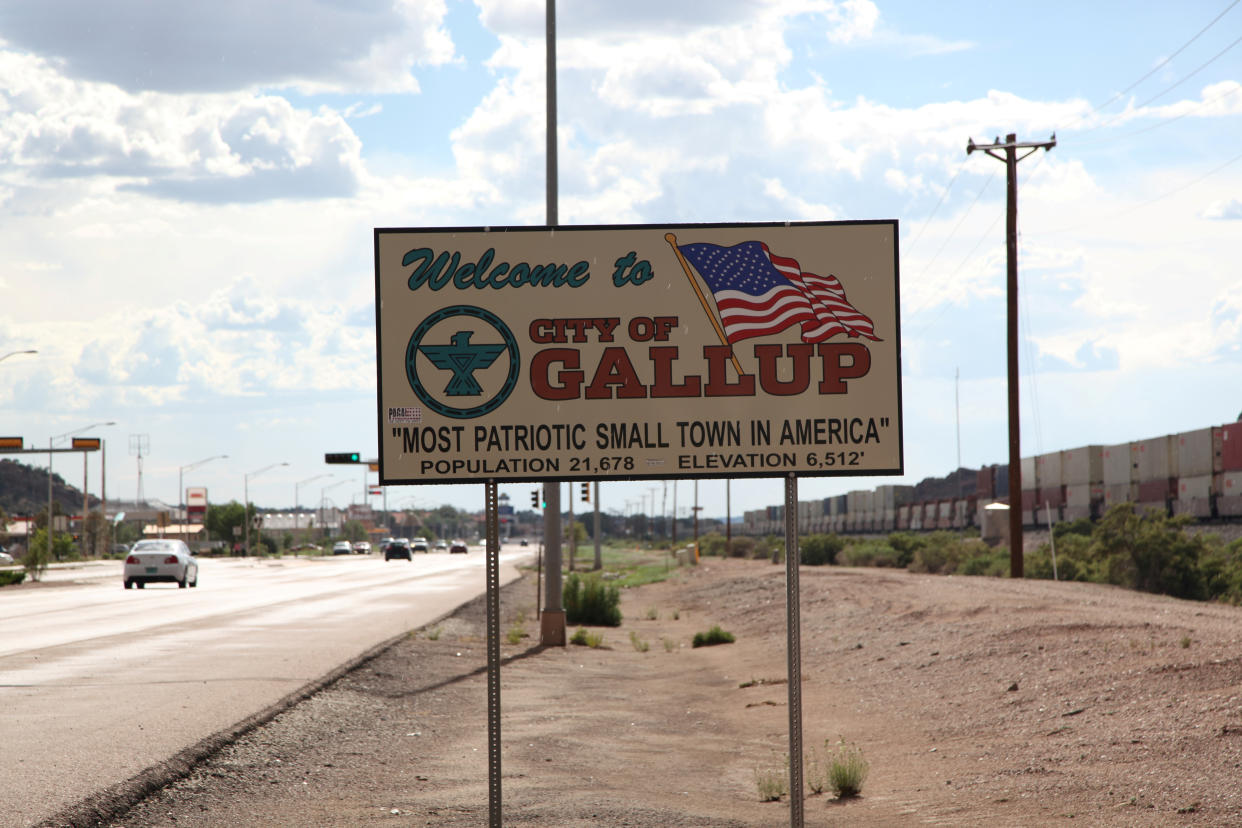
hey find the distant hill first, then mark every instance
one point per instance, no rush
(23, 490)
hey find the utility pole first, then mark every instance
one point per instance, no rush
(552, 627)
(1011, 159)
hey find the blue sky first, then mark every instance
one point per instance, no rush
(187, 194)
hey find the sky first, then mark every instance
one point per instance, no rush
(188, 194)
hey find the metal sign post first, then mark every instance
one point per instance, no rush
(493, 654)
(793, 622)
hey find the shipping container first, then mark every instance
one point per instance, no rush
(1151, 491)
(1120, 493)
(1120, 464)
(1198, 487)
(903, 517)
(1002, 481)
(1157, 459)
(1047, 470)
(1084, 495)
(1045, 515)
(985, 482)
(1231, 447)
(1029, 498)
(1051, 496)
(1072, 513)
(1198, 507)
(1199, 452)
(944, 514)
(1082, 465)
(1030, 474)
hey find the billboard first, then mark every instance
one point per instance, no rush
(638, 351)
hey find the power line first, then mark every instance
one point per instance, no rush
(1159, 65)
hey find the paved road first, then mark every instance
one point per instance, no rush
(98, 682)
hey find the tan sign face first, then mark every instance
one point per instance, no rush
(671, 351)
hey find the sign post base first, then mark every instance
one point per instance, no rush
(552, 628)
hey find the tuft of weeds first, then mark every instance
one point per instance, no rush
(1185, 642)
(847, 770)
(516, 634)
(653, 614)
(712, 637)
(669, 644)
(639, 644)
(772, 784)
(583, 638)
(676, 615)
(815, 772)
(433, 634)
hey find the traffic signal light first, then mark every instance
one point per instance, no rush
(534, 498)
(342, 457)
(586, 492)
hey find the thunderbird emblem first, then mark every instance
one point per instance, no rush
(463, 359)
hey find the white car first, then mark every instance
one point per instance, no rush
(342, 548)
(362, 548)
(160, 561)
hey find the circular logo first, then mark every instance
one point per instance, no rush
(446, 342)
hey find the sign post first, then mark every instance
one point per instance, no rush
(640, 352)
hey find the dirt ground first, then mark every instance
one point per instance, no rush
(976, 701)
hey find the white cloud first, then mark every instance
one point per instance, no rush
(363, 45)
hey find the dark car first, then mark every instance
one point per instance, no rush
(458, 546)
(398, 549)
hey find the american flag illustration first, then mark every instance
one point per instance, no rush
(758, 293)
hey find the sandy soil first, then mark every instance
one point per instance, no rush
(976, 701)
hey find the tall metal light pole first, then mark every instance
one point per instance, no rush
(181, 487)
(1011, 159)
(297, 486)
(15, 353)
(246, 497)
(322, 495)
(51, 443)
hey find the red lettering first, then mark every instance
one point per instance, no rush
(835, 371)
(662, 359)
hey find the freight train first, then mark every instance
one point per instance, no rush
(1196, 473)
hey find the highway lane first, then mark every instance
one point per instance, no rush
(98, 682)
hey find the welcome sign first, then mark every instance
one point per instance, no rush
(639, 351)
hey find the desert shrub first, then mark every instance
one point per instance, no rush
(944, 553)
(847, 771)
(11, 576)
(583, 638)
(640, 644)
(868, 552)
(1075, 560)
(590, 601)
(905, 544)
(712, 545)
(1221, 566)
(820, 550)
(1150, 552)
(743, 547)
(772, 784)
(712, 637)
(986, 561)
(1081, 526)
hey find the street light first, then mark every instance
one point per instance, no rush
(246, 498)
(15, 353)
(297, 486)
(181, 488)
(50, 444)
(323, 492)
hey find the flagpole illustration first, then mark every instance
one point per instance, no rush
(672, 241)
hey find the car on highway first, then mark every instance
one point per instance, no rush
(160, 561)
(342, 548)
(458, 546)
(399, 548)
(362, 548)
(419, 545)
(442, 545)
(523, 542)
(5, 557)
